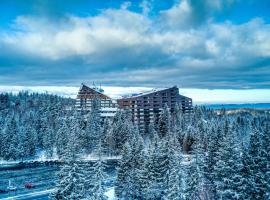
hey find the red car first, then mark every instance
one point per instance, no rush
(29, 185)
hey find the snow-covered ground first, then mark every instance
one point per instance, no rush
(186, 159)
(94, 157)
(41, 157)
(110, 194)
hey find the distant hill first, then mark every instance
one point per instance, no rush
(239, 106)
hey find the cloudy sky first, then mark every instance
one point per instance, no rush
(214, 50)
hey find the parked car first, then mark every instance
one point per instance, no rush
(11, 187)
(29, 185)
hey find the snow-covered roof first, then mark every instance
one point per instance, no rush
(107, 109)
(144, 93)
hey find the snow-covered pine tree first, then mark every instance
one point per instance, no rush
(99, 176)
(93, 128)
(188, 139)
(123, 171)
(174, 190)
(48, 142)
(194, 175)
(10, 139)
(133, 167)
(158, 167)
(178, 123)
(71, 183)
(144, 175)
(227, 171)
(211, 158)
(62, 138)
(265, 160)
(105, 132)
(164, 123)
(137, 163)
(254, 162)
(121, 129)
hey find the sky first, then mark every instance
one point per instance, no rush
(213, 50)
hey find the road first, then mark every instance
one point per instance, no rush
(41, 195)
(43, 178)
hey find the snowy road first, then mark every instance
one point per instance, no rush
(42, 177)
(41, 195)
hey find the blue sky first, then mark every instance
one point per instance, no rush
(215, 48)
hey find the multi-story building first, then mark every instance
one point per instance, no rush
(86, 97)
(148, 105)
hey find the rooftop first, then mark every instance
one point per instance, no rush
(146, 92)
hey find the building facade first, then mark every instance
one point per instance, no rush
(148, 105)
(88, 96)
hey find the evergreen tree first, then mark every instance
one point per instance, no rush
(98, 176)
(174, 189)
(71, 176)
(228, 169)
(121, 129)
(193, 179)
(254, 174)
(93, 129)
(123, 172)
(265, 161)
(164, 122)
(129, 186)
(62, 139)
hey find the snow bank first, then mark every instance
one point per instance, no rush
(187, 159)
(41, 157)
(110, 194)
(93, 157)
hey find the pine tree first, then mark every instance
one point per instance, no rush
(130, 172)
(164, 122)
(93, 128)
(254, 173)
(71, 176)
(265, 161)
(98, 176)
(123, 171)
(158, 168)
(144, 175)
(10, 139)
(193, 179)
(212, 157)
(137, 163)
(48, 142)
(174, 189)
(62, 139)
(227, 171)
(121, 129)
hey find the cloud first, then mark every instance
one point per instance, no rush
(183, 45)
(146, 7)
(192, 13)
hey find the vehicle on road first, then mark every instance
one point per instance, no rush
(29, 185)
(11, 187)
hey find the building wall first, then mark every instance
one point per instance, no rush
(88, 96)
(145, 107)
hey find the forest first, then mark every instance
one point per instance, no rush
(209, 155)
